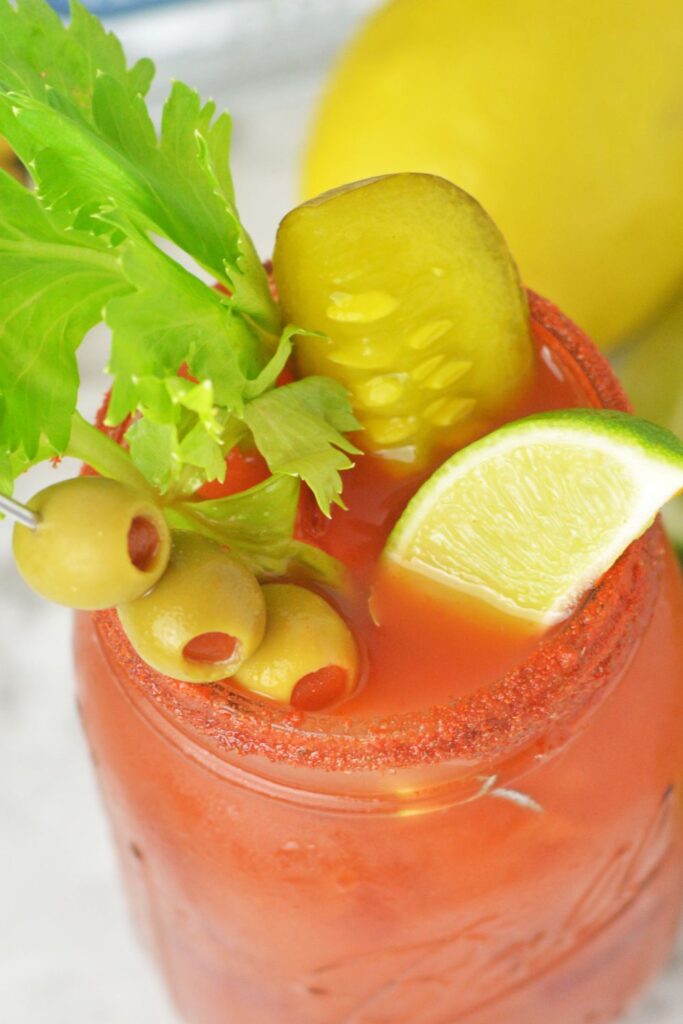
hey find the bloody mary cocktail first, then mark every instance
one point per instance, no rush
(379, 638)
(489, 830)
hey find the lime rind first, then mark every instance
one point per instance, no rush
(531, 516)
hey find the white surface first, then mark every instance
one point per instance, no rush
(67, 954)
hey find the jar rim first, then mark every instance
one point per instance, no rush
(565, 674)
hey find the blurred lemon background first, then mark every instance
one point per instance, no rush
(566, 121)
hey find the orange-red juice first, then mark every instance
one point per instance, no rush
(490, 831)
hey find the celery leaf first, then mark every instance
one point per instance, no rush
(54, 287)
(298, 430)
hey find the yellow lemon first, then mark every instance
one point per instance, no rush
(565, 120)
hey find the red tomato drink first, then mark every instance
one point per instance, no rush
(490, 831)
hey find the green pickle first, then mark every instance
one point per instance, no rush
(418, 306)
(97, 544)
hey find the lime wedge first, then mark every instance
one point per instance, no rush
(532, 515)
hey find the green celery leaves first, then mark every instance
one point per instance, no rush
(260, 523)
(54, 288)
(84, 129)
(90, 246)
(298, 429)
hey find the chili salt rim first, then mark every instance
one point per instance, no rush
(563, 677)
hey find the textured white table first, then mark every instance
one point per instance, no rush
(67, 954)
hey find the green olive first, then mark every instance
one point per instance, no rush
(308, 656)
(203, 619)
(97, 543)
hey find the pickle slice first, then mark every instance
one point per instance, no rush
(424, 317)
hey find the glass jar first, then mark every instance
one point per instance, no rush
(515, 855)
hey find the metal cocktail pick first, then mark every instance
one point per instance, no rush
(15, 510)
